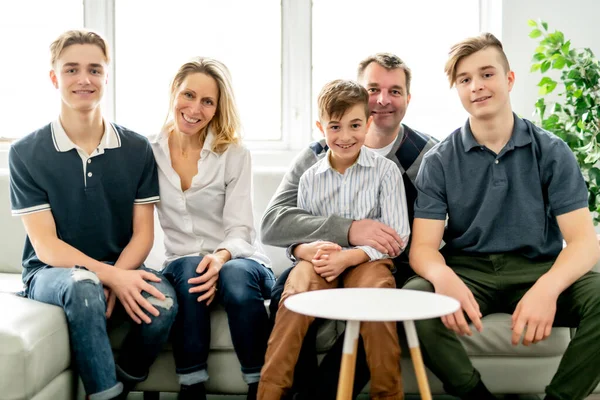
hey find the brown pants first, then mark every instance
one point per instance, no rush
(380, 338)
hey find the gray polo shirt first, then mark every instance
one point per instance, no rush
(506, 202)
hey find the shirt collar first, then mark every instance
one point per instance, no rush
(365, 159)
(162, 139)
(520, 135)
(62, 142)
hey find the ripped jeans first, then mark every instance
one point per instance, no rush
(81, 295)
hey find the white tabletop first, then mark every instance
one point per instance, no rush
(372, 304)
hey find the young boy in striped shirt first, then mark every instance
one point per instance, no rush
(353, 182)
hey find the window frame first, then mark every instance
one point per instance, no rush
(296, 68)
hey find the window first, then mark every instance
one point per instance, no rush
(279, 61)
(417, 31)
(28, 100)
(149, 51)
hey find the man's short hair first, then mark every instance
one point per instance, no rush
(79, 36)
(388, 61)
(469, 46)
(338, 96)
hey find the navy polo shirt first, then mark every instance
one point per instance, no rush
(500, 203)
(91, 196)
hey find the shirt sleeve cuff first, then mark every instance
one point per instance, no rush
(430, 215)
(372, 253)
(289, 252)
(238, 248)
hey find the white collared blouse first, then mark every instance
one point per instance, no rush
(216, 211)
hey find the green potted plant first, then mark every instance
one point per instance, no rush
(572, 112)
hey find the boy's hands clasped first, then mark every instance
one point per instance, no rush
(327, 258)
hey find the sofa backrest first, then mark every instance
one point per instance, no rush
(12, 233)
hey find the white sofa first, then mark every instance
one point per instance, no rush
(34, 346)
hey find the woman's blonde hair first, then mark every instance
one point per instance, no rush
(226, 121)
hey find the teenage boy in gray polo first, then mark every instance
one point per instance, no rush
(85, 190)
(512, 192)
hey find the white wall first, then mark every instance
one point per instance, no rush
(577, 19)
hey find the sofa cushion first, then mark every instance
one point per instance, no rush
(496, 336)
(12, 234)
(34, 345)
(220, 335)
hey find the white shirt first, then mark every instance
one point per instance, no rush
(372, 188)
(215, 212)
(384, 151)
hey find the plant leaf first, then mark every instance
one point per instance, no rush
(559, 63)
(545, 25)
(535, 33)
(531, 23)
(546, 66)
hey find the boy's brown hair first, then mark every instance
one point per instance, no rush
(469, 46)
(338, 96)
(79, 36)
(388, 61)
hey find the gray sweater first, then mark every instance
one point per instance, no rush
(284, 223)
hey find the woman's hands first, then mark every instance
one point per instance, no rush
(208, 269)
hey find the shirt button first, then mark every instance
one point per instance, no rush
(90, 174)
(496, 161)
(89, 161)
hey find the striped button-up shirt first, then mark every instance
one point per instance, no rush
(372, 188)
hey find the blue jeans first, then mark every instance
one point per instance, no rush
(81, 295)
(243, 286)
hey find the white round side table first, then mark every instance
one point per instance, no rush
(363, 304)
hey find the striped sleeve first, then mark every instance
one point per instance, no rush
(26, 195)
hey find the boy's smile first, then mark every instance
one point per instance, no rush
(345, 135)
(80, 75)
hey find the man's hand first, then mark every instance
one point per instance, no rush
(128, 285)
(535, 314)
(207, 283)
(111, 299)
(367, 232)
(330, 264)
(308, 251)
(451, 285)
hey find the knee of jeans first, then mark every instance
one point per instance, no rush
(237, 283)
(418, 283)
(167, 307)
(85, 292)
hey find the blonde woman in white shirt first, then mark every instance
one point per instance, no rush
(206, 214)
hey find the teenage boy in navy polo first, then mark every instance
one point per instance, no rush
(85, 190)
(512, 192)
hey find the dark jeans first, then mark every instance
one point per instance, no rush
(313, 380)
(498, 283)
(81, 295)
(243, 286)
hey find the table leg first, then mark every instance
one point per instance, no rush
(415, 354)
(346, 382)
